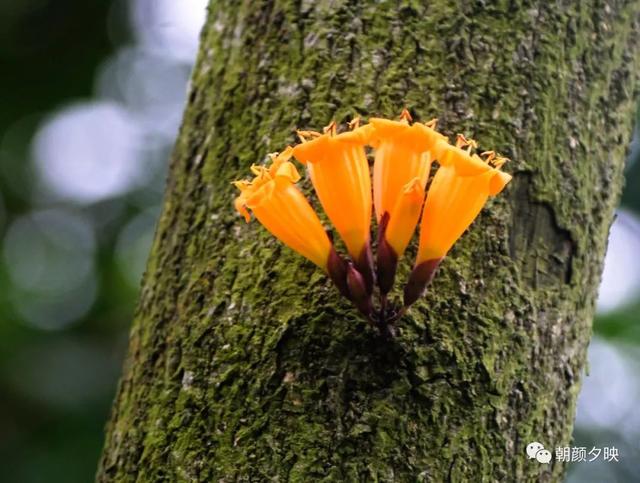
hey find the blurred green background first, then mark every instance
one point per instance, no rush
(92, 95)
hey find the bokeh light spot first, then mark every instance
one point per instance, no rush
(621, 276)
(88, 152)
(169, 27)
(49, 256)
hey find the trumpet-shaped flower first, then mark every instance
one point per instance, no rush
(457, 193)
(404, 216)
(339, 171)
(403, 152)
(396, 231)
(283, 210)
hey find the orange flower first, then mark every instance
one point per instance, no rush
(457, 193)
(402, 164)
(403, 152)
(283, 210)
(404, 216)
(339, 171)
(396, 231)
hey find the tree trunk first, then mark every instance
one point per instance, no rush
(246, 365)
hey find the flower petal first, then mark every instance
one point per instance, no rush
(498, 182)
(404, 216)
(339, 171)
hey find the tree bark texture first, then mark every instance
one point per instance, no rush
(245, 364)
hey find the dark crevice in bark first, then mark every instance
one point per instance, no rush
(537, 220)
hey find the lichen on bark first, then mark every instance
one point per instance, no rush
(245, 364)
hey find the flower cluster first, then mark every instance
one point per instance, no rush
(339, 170)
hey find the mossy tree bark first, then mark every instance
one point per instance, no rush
(245, 364)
